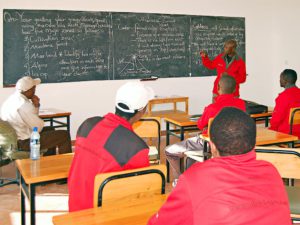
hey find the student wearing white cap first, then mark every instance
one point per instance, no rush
(21, 111)
(106, 144)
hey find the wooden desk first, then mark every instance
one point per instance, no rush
(138, 213)
(262, 116)
(33, 173)
(51, 115)
(185, 123)
(264, 136)
(168, 100)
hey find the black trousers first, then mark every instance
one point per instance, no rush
(50, 140)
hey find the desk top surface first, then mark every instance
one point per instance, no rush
(261, 115)
(169, 99)
(52, 112)
(185, 120)
(181, 120)
(264, 136)
(138, 213)
(46, 168)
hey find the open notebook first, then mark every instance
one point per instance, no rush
(195, 117)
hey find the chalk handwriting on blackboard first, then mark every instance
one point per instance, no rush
(209, 33)
(63, 46)
(56, 46)
(151, 43)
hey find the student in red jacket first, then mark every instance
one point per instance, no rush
(232, 187)
(228, 63)
(108, 144)
(289, 98)
(226, 98)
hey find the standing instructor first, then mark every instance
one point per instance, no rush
(228, 63)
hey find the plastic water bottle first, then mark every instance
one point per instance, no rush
(35, 144)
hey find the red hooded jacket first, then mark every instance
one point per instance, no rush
(103, 144)
(236, 69)
(289, 98)
(233, 190)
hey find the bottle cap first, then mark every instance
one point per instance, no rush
(35, 129)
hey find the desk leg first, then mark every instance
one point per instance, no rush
(181, 133)
(267, 122)
(205, 150)
(51, 122)
(167, 143)
(291, 182)
(32, 204)
(291, 144)
(167, 133)
(182, 165)
(23, 218)
(168, 171)
(68, 123)
(181, 159)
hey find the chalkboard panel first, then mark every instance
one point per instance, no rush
(209, 33)
(63, 46)
(57, 46)
(150, 44)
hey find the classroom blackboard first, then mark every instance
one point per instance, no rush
(150, 44)
(64, 46)
(210, 33)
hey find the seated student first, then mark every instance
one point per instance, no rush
(226, 89)
(107, 144)
(21, 110)
(289, 98)
(230, 188)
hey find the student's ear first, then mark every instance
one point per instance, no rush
(214, 151)
(137, 116)
(219, 90)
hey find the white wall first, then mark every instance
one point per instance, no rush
(272, 33)
(286, 36)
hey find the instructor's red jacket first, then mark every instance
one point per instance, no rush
(289, 98)
(236, 69)
(231, 190)
(103, 144)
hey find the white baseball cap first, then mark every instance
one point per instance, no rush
(134, 95)
(26, 83)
